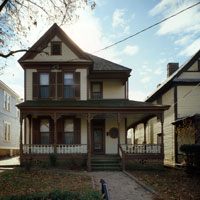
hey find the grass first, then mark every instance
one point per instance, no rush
(26, 182)
(171, 184)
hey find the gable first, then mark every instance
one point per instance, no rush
(41, 50)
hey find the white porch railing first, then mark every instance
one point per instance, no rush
(141, 148)
(71, 148)
(49, 148)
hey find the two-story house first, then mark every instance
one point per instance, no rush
(181, 90)
(77, 103)
(9, 121)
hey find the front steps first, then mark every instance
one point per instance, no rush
(106, 164)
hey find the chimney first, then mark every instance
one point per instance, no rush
(171, 68)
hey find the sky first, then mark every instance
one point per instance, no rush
(147, 54)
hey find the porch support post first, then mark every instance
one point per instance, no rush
(20, 138)
(55, 134)
(29, 137)
(89, 141)
(126, 131)
(118, 124)
(145, 132)
(162, 133)
(134, 134)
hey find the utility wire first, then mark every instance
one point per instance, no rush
(143, 30)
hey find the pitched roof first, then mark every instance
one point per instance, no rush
(47, 37)
(101, 64)
(173, 78)
(122, 103)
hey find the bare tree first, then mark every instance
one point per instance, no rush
(18, 17)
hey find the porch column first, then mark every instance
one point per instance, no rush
(55, 134)
(134, 135)
(29, 137)
(118, 124)
(162, 133)
(145, 133)
(126, 131)
(20, 138)
(89, 140)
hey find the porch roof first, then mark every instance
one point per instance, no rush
(91, 104)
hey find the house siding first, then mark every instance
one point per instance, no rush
(12, 118)
(29, 83)
(188, 100)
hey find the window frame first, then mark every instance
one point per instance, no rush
(101, 89)
(73, 85)
(65, 132)
(60, 48)
(44, 85)
(41, 132)
(6, 103)
(7, 135)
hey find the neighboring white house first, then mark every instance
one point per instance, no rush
(9, 121)
(181, 90)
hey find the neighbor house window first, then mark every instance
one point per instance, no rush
(69, 85)
(69, 131)
(44, 131)
(159, 139)
(6, 131)
(96, 90)
(56, 48)
(44, 85)
(7, 101)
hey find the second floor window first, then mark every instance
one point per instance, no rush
(44, 85)
(7, 101)
(68, 85)
(96, 90)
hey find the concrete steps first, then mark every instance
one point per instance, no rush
(106, 164)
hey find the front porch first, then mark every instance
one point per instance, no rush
(95, 132)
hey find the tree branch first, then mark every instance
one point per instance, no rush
(3, 4)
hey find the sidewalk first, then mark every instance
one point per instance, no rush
(120, 186)
(13, 161)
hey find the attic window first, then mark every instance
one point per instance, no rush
(56, 48)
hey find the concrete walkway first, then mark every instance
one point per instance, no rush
(13, 161)
(120, 186)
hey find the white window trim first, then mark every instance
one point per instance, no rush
(7, 106)
(6, 124)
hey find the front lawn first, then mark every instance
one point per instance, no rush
(169, 183)
(14, 182)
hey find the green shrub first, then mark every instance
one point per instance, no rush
(53, 159)
(192, 157)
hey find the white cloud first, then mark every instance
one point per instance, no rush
(191, 49)
(186, 22)
(161, 61)
(183, 41)
(131, 50)
(118, 19)
(158, 71)
(137, 95)
(145, 79)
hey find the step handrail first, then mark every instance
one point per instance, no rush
(104, 190)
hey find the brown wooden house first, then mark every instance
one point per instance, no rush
(77, 103)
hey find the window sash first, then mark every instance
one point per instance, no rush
(44, 137)
(68, 91)
(69, 137)
(7, 133)
(68, 79)
(44, 78)
(96, 91)
(44, 92)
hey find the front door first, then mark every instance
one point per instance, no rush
(98, 137)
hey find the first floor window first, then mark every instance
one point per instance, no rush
(44, 85)
(6, 131)
(69, 131)
(68, 85)
(44, 131)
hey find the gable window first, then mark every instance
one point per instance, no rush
(44, 131)
(6, 131)
(7, 101)
(44, 85)
(96, 90)
(56, 48)
(69, 85)
(69, 131)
